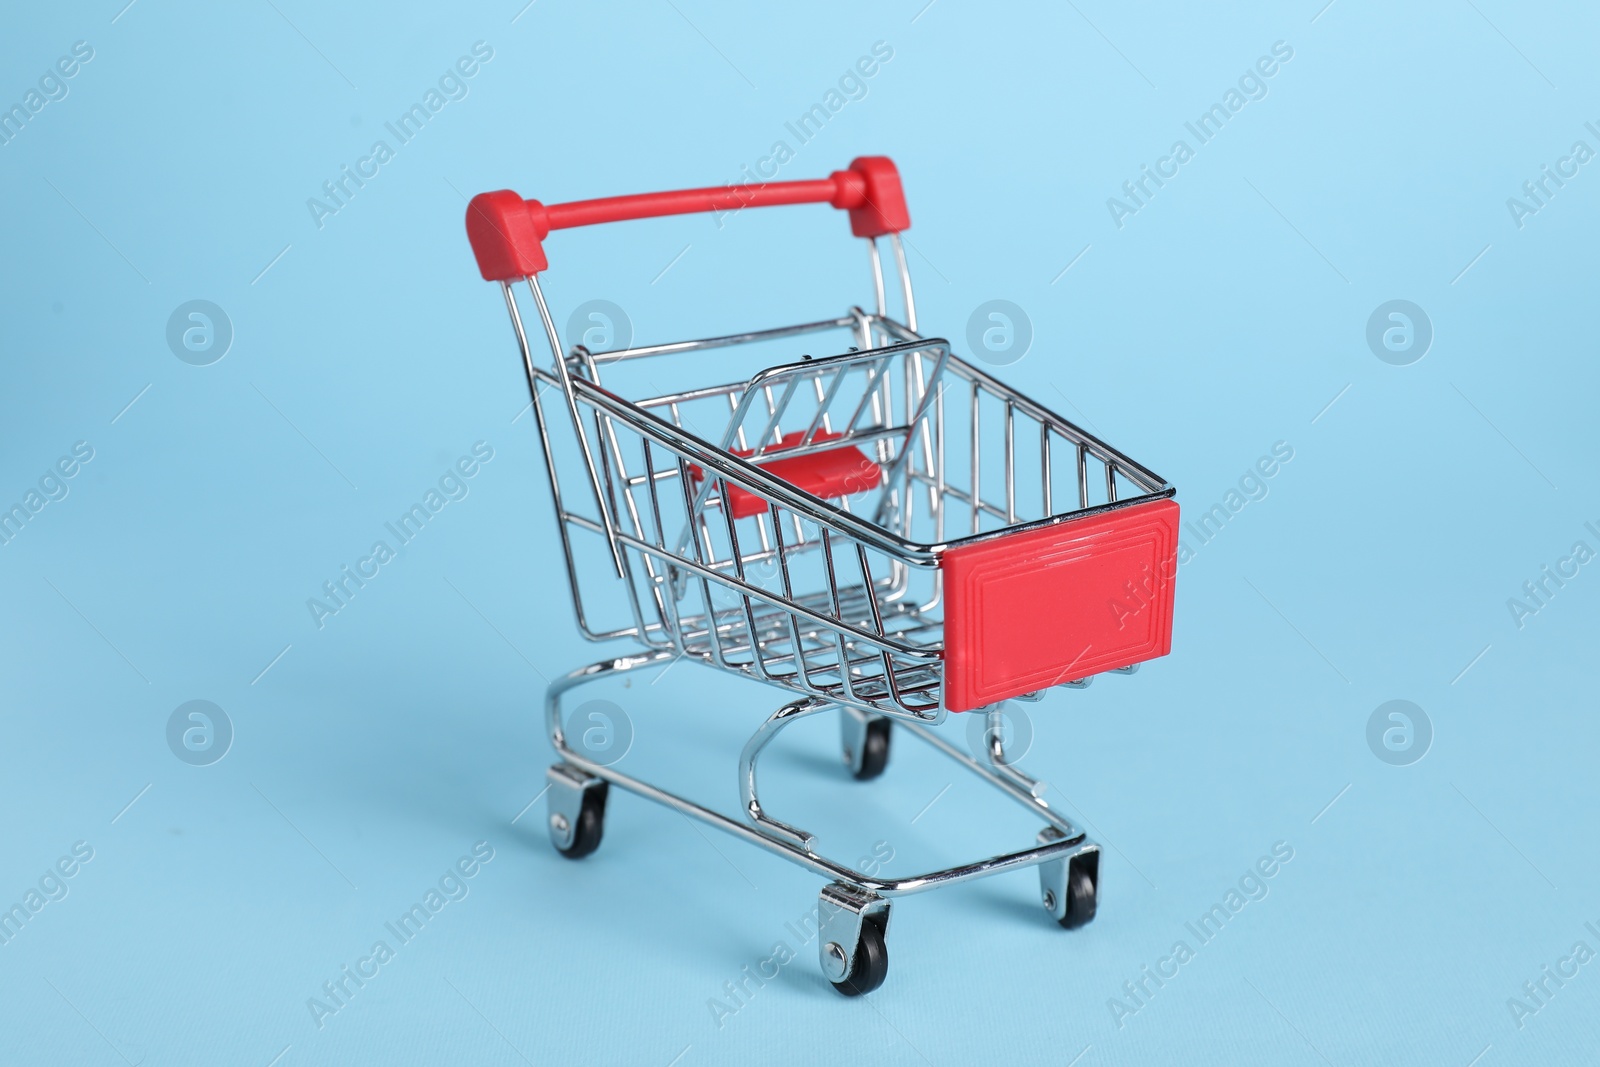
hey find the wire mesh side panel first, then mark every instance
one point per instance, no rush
(720, 570)
(992, 459)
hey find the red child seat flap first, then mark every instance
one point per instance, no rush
(831, 473)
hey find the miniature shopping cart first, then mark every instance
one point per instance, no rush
(884, 530)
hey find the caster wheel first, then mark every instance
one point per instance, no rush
(871, 962)
(874, 751)
(1080, 900)
(590, 825)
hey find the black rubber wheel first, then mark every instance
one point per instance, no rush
(871, 963)
(591, 824)
(874, 750)
(1080, 899)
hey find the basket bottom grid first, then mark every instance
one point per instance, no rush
(793, 651)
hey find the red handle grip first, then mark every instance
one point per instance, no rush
(507, 232)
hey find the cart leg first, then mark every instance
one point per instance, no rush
(1069, 885)
(864, 742)
(576, 805)
(853, 927)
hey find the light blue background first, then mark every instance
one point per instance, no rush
(1223, 317)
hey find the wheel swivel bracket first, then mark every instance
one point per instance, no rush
(843, 911)
(568, 787)
(1055, 874)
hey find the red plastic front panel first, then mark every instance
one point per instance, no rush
(1032, 610)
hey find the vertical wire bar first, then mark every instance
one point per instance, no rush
(799, 530)
(904, 509)
(655, 497)
(838, 613)
(864, 328)
(802, 672)
(905, 281)
(892, 691)
(707, 559)
(1044, 463)
(761, 535)
(733, 409)
(605, 430)
(1083, 477)
(901, 461)
(756, 659)
(977, 496)
(894, 500)
(821, 417)
(1011, 466)
(669, 615)
(877, 273)
(937, 495)
(774, 418)
(882, 410)
(704, 524)
(929, 424)
(1111, 482)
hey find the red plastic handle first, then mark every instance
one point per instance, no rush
(507, 232)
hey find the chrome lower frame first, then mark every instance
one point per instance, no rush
(851, 893)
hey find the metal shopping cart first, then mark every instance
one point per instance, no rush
(887, 531)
